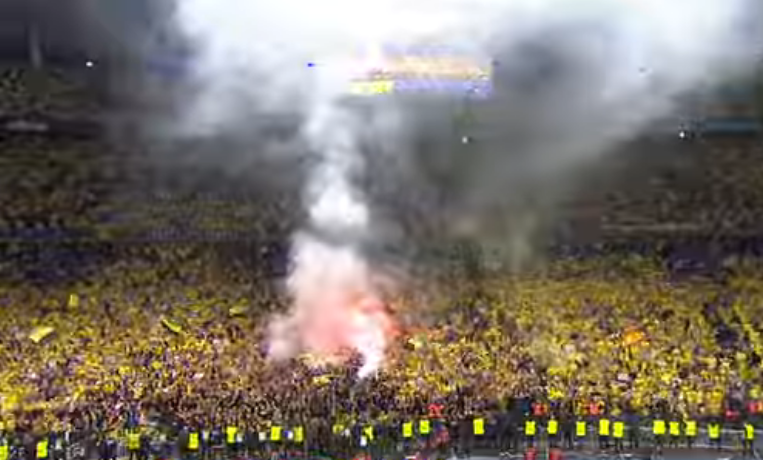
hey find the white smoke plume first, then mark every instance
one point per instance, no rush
(626, 62)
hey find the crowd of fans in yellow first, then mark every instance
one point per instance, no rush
(173, 329)
(177, 335)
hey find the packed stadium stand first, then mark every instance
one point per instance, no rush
(133, 318)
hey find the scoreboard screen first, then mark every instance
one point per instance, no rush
(431, 71)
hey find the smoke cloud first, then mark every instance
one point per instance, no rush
(572, 79)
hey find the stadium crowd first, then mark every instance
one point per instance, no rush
(169, 331)
(28, 91)
(160, 333)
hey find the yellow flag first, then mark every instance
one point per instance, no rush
(172, 326)
(73, 301)
(237, 310)
(321, 380)
(39, 334)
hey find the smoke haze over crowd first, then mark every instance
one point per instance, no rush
(572, 79)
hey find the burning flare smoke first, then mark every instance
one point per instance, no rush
(337, 308)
